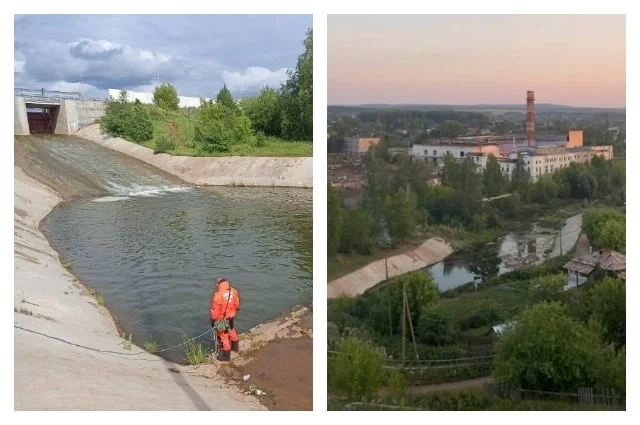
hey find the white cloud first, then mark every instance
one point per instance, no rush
(254, 78)
(69, 87)
(18, 66)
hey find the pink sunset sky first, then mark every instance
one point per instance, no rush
(576, 60)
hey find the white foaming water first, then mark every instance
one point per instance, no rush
(141, 190)
(111, 199)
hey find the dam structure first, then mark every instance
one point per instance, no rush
(53, 112)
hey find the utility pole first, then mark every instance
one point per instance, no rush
(404, 319)
(561, 242)
(158, 78)
(81, 87)
(386, 273)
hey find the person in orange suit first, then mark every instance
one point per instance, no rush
(225, 302)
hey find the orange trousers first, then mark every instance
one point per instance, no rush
(228, 336)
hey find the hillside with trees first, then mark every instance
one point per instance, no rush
(276, 122)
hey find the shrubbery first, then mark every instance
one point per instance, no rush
(128, 120)
(165, 96)
(486, 317)
(165, 144)
(357, 370)
(548, 350)
(218, 127)
(606, 229)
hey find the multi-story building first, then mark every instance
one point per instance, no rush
(437, 151)
(538, 160)
(542, 153)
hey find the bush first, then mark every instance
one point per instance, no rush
(357, 370)
(548, 350)
(607, 304)
(338, 312)
(396, 387)
(264, 112)
(166, 97)
(127, 120)
(219, 127)
(261, 140)
(606, 229)
(486, 317)
(422, 293)
(165, 144)
(435, 329)
(358, 232)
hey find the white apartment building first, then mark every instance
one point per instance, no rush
(538, 161)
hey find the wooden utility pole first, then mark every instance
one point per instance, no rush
(561, 242)
(386, 272)
(404, 319)
(413, 335)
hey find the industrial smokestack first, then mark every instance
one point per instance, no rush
(531, 119)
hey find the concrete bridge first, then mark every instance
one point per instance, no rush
(40, 111)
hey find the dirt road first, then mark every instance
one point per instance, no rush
(424, 389)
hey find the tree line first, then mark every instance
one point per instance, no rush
(284, 113)
(399, 201)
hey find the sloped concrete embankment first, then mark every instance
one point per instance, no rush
(221, 171)
(68, 355)
(429, 252)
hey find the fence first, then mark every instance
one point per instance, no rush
(49, 96)
(374, 406)
(588, 396)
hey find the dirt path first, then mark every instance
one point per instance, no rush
(174, 131)
(277, 357)
(424, 389)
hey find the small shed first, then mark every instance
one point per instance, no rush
(608, 260)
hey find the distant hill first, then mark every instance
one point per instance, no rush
(337, 110)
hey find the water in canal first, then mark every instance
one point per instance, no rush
(154, 246)
(514, 250)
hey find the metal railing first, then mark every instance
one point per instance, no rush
(49, 96)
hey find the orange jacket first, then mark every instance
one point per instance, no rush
(224, 302)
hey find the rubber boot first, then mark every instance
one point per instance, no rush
(224, 356)
(235, 346)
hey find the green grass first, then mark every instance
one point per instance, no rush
(150, 346)
(66, 264)
(127, 343)
(184, 123)
(460, 238)
(194, 352)
(100, 299)
(508, 299)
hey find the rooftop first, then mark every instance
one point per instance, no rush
(605, 259)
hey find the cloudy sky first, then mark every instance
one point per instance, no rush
(195, 53)
(465, 59)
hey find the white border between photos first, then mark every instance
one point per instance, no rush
(319, 9)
